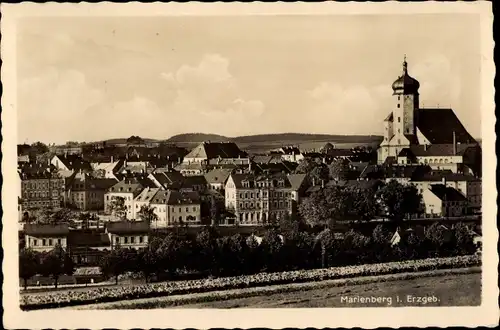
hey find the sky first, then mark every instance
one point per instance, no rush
(94, 78)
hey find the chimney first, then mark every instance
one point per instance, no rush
(425, 147)
(443, 180)
(322, 183)
(454, 144)
(112, 159)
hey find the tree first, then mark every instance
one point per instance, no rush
(147, 214)
(399, 201)
(28, 265)
(206, 242)
(117, 207)
(305, 166)
(56, 263)
(339, 169)
(325, 206)
(326, 241)
(114, 263)
(147, 262)
(39, 148)
(364, 205)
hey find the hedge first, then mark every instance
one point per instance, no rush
(109, 294)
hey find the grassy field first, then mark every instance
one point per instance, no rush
(447, 287)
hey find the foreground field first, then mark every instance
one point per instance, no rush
(455, 287)
(450, 290)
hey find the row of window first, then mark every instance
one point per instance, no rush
(264, 205)
(264, 194)
(41, 185)
(131, 239)
(40, 194)
(279, 183)
(45, 242)
(256, 217)
(42, 203)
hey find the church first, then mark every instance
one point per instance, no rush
(430, 136)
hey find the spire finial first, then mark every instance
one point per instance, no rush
(405, 65)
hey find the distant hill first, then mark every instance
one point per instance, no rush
(197, 137)
(278, 137)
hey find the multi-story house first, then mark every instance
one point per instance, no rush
(128, 189)
(467, 185)
(216, 179)
(167, 180)
(43, 189)
(70, 163)
(128, 234)
(443, 201)
(194, 183)
(258, 199)
(86, 193)
(209, 155)
(45, 237)
(143, 199)
(183, 208)
(87, 246)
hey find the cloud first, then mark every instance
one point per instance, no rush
(440, 82)
(355, 109)
(52, 105)
(201, 98)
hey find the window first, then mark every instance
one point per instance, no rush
(180, 218)
(241, 195)
(132, 240)
(194, 208)
(44, 242)
(141, 239)
(180, 210)
(399, 119)
(35, 242)
(59, 241)
(258, 195)
(126, 240)
(187, 209)
(399, 97)
(398, 105)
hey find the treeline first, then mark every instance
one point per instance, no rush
(209, 254)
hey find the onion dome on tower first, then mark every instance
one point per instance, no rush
(405, 84)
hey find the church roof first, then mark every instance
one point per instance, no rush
(405, 83)
(438, 125)
(210, 150)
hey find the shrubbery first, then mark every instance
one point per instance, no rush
(97, 295)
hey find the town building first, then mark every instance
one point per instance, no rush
(144, 199)
(216, 179)
(209, 155)
(167, 180)
(128, 234)
(86, 247)
(70, 163)
(415, 135)
(128, 189)
(183, 208)
(40, 187)
(45, 237)
(85, 192)
(443, 201)
(258, 199)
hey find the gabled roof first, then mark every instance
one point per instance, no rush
(194, 180)
(79, 238)
(448, 176)
(168, 179)
(146, 195)
(406, 172)
(445, 193)
(127, 186)
(210, 150)
(438, 150)
(390, 117)
(253, 179)
(438, 125)
(182, 198)
(74, 162)
(297, 180)
(46, 230)
(127, 227)
(217, 176)
(160, 197)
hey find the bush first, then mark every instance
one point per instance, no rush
(97, 295)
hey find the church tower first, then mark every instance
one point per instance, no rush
(400, 124)
(406, 103)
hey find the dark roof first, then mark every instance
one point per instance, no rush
(290, 150)
(210, 150)
(389, 117)
(160, 197)
(407, 171)
(74, 162)
(194, 180)
(78, 238)
(447, 193)
(447, 175)
(405, 83)
(46, 230)
(217, 176)
(437, 150)
(176, 197)
(168, 179)
(438, 125)
(252, 179)
(127, 185)
(127, 227)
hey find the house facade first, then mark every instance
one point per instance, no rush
(45, 237)
(43, 189)
(443, 201)
(128, 234)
